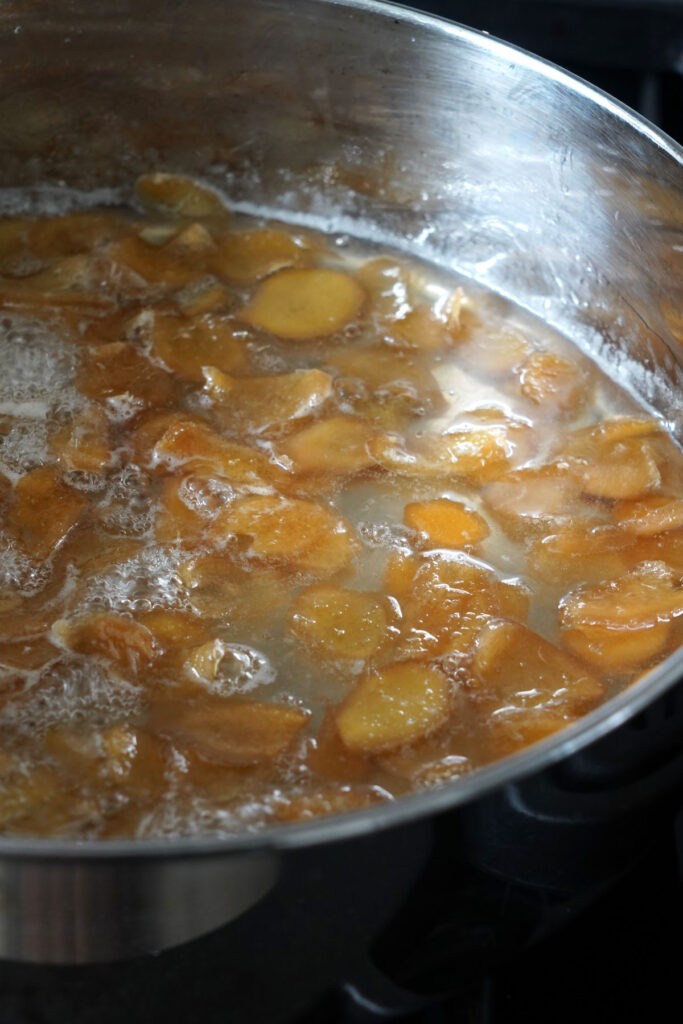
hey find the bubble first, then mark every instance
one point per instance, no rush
(127, 507)
(18, 573)
(37, 369)
(70, 692)
(148, 580)
(24, 446)
(239, 670)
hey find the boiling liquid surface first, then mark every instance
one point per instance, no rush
(277, 545)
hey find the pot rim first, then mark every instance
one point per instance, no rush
(482, 781)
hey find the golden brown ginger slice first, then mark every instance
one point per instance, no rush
(247, 256)
(218, 586)
(536, 499)
(341, 623)
(583, 554)
(258, 404)
(229, 731)
(626, 622)
(387, 284)
(649, 516)
(445, 523)
(84, 445)
(187, 348)
(385, 375)
(616, 459)
(194, 448)
(42, 512)
(394, 705)
(489, 352)
(512, 729)
(475, 456)
(174, 628)
(295, 533)
(336, 446)
(188, 506)
(520, 668)
(553, 383)
(127, 644)
(300, 305)
(118, 368)
(161, 266)
(175, 194)
(447, 601)
(201, 297)
(72, 281)
(53, 238)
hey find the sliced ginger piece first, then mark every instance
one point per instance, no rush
(493, 353)
(446, 523)
(201, 297)
(338, 445)
(118, 368)
(188, 506)
(73, 281)
(623, 623)
(198, 450)
(387, 284)
(421, 329)
(582, 554)
(172, 193)
(394, 705)
(523, 669)
(649, 516)
(229, 731)
(300, 305)
(43, 511)
(73, 233)
(299, 534)
(535, 498)
(173, 628)
(513, 729)
(125, 643)
(158, 265)
(475, 456)
(149, 431)
(247, 256)
(554, 383)
(379, 373)
(187, 348)
(84, 445)
(218, 586)
(259, 404)
(340, 623)
(615, 460)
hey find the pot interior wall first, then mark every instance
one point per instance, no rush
(441, 141)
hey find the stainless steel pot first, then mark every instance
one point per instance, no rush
(385, 123)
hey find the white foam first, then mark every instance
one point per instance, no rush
(18, 573)
(127, 507)
(148, 580)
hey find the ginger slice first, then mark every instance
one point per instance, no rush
(649, 516)
(387, 284)
(582, 554)
(475, 456)
(84, 445)
(340, 623)
(625, 622)
(125, 643)
(187, 348)
(421, 329)
(118, 368)
(523, 669)
(174, 628)
(513, 729)
(300, 305)
(149, 431)
(338, 445)
(73, 281)
(328, 801)
(188, 506)
(201, 297)
(493, 353)
(552, 382)
(446, 523)
(297, 533)
(393, 705)
(247, 256)
(448, 601)
(173, 193)
(194, 448)
(257, 404)
(157, 265)
(43, 511)
(217, 586)
(230, 731)
(74, 233)
(379, 373)
(535, 498)
(615, 460)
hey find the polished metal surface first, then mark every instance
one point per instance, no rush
(386, 124)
